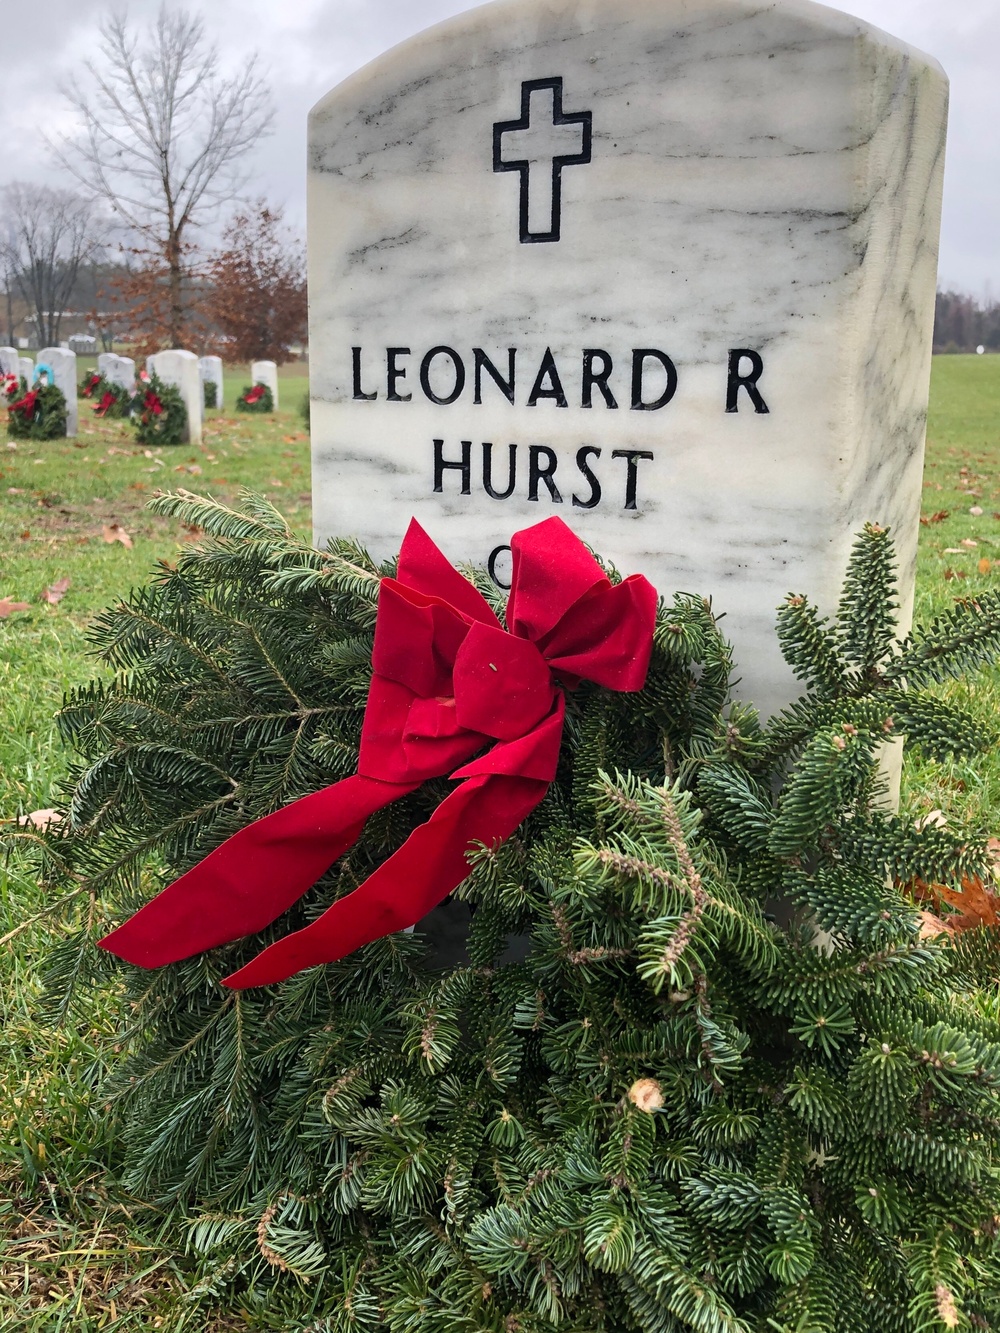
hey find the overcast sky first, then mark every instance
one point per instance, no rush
(308, 46)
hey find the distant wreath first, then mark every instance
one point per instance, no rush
(109, 399)
(40, 414)
(211, 393)
(158, 413)
(257, 398)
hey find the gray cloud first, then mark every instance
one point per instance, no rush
(308, 46)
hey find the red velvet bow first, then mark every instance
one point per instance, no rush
(26, 405)
(448, 682)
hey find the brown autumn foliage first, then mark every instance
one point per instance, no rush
(144, 304)
(955, 910)
(255, 287)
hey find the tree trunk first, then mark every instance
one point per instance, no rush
(176, 282)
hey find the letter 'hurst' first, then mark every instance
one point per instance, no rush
(530, 473)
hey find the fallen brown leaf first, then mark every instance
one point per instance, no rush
(191, 532)
(932, 926)
(40, 818)
(55, 592)
(7, 606)
(114, 532)
(954, 573)
(974, 903)
(939, 517)
(969, 541)
(985, 565)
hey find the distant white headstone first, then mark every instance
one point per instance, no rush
(266, 372)
(181, 369)
(664, 269)
(117, 369)
(26, 368)
(9, 361)
(980, 350)
(211, 373)
(124, 372)
(62, 363)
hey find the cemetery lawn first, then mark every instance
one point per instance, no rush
(75, 1254)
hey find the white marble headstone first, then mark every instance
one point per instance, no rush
(210, 368)
(180, 368)
(63, 364)
(117, 369)
(266, 372)
(666, 270)
(26, 367)
(123, 372)
(10, 361)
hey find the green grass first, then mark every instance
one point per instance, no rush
(74, 1254)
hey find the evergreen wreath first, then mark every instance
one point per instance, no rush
(40, 414)
(12, 387)
(109, 399)
(678, 1056)
(158, 413)
(255, 398)
(211, 393)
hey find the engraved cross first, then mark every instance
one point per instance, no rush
(538, 146)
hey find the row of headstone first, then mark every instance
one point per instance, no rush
(666, 270)
(182, 369)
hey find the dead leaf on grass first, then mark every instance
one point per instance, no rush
(15, 490)
(7, 606)
(985, 565)
(114, 532)
(976, 511)
(950, 574)
(40, 819)
(931, 926)
(55, 592)
(939, 517)
(969, 541)
(191, 532)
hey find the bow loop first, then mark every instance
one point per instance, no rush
(503, 685)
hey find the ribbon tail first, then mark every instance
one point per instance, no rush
(409, 884)
(254, 876)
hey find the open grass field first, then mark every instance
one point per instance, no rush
(74, 1254)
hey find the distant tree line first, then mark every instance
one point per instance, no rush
(163, 135)
(961, 323)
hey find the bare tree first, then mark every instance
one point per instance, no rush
(163, 136)
(47, 236)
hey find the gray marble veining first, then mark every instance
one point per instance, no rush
(763, 178)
